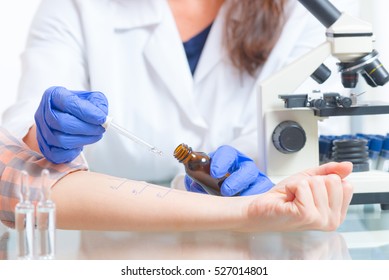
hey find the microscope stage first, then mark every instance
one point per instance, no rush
(360, 110)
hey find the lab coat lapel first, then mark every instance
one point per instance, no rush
(163, 50)
(214, 50)
(166, 55)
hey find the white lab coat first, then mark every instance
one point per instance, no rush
(131, 51)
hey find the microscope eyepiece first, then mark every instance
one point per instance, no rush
(321, 74)
(369, 66)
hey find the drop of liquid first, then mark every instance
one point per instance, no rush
(156, 151)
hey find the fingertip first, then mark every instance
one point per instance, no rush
(99, 100)
(344, 169)
(226, 190)
(194, 187)
(54, 94)
(222, 161)
(54, 89)
(348, 165)
(226, 149)
(187, 181)
(100, 118)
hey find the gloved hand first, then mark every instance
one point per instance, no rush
(245, 178)
(67, 120)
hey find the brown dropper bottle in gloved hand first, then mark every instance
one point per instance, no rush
(197, 166)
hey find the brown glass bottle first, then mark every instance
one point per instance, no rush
(197, 166)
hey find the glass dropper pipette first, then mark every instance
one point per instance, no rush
(131, 136)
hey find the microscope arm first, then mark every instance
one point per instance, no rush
(288, 79)
(271, 114)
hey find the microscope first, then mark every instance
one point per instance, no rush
(288, 123)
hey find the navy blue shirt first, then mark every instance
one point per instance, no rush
(194, 46)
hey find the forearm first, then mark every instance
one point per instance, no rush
(87, 200)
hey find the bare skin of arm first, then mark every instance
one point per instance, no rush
(316, 199)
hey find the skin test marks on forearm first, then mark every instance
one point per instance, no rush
(137, 188)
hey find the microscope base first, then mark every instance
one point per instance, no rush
(371, 187)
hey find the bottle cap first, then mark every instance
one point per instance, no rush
(376, 144)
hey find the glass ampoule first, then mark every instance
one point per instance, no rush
(46, 220)
(197, 166)
(24, 220)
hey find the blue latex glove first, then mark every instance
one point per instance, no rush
(245, 178)
(67, 120)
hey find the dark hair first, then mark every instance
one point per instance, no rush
(252, 29)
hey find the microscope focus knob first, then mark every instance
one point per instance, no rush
(318, 103)
(289, 137)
